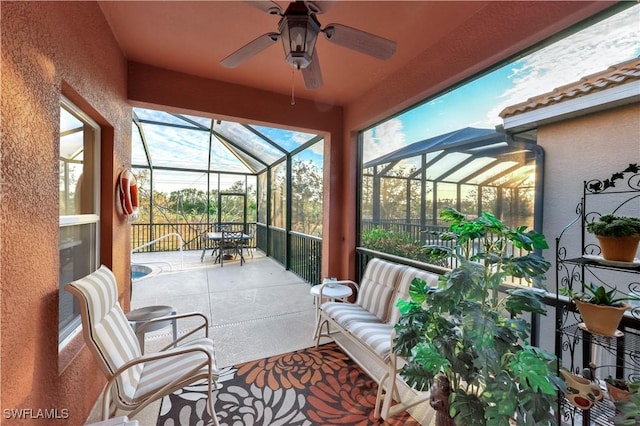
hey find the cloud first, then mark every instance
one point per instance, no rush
(589, 51)
(382, 139)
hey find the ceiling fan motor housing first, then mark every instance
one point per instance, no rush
(299, 31)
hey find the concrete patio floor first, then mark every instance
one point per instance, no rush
(255, 310)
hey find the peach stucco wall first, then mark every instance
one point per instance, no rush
(589, 147)
(49, 49)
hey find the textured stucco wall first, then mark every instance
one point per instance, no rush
(590, 147)
(49, 48)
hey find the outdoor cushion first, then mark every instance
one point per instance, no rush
(402, 289)
(376, 286)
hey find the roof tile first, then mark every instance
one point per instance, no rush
(615, 75)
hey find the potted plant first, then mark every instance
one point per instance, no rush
(618, 389)
(468, 338)
(618, 236)
(600, 310)
(627, 408)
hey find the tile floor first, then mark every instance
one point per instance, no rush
(255, 310)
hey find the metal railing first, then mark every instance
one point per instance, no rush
(415, 230)
(191, 233)
(164, 237)
(305, 256)
(305, 259)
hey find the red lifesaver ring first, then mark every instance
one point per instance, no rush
(129, 200)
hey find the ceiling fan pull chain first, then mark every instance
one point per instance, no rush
(293, 98)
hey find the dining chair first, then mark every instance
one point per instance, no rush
(231, 244)
(134, 380)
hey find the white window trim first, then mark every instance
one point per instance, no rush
(73, 220)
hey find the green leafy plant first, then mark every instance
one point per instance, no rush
(598, 295)
(397, 243)
(628, 411)
(614, 226)
(474, 333)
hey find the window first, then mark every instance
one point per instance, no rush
(79, 208)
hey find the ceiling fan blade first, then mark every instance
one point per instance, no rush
(311, 74)
(249, 50)
(270, 7)
(360, 41)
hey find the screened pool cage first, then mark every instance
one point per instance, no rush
(470, 169)
(200, 174)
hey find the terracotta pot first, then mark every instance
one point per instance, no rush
(622, 249)
(616, 394)
(600, 319)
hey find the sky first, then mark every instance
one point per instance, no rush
(477, 104)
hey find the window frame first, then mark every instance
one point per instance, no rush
(66, 335)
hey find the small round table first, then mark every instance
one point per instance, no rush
(331, 292)
(139, 316)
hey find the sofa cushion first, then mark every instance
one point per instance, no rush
(363, 325)
(377, 285)
(346, 313)
(375, 335)
(402, 289)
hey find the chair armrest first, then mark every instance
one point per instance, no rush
(159, 355)
(204, 325)
(151, 357)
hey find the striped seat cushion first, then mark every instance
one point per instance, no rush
(362, 324)
(402, 290)
(377, 285)
(163, 371)
(346, 313)
(111, 335)
(376, 335)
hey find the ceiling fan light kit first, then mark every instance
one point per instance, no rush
(298, 29)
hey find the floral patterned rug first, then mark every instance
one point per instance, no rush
(314, 386)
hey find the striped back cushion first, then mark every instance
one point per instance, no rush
(376, 286)
(402, 289)
(105, 326)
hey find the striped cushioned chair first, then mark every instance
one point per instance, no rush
(135, 380)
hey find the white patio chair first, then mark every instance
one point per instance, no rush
(135, 380)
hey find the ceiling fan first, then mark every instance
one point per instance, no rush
(298, 29)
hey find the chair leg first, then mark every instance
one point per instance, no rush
(210, 408)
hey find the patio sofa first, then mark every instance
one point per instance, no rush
(369, 322)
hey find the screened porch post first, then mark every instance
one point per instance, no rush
(423, 196)
(376, 196)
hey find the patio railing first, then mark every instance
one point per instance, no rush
(142, 233)
(304, 257)
(305, 251)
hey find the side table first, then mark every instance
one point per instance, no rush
(139, 316)
(331, 290)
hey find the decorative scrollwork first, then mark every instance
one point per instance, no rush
(573, 267)
(592, 249)
(597, 186)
